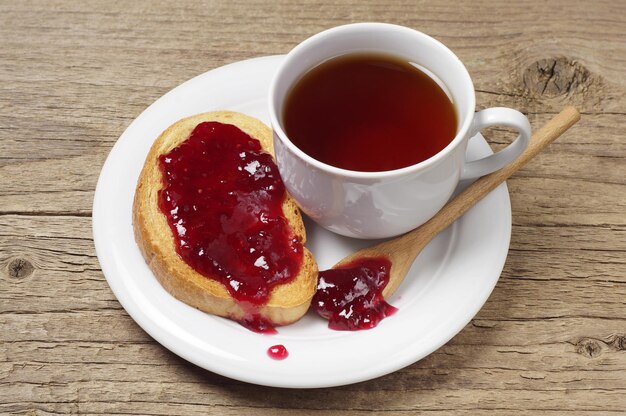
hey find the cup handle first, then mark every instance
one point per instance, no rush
(500, 116)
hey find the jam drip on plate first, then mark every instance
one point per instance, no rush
(223, 197)
(351, 296)
(277, 352)
(255, 322)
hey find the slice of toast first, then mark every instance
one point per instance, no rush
(287, 302)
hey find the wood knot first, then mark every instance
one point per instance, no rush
(556, 77)
(20, 268)
(589, 347)
(618, 342)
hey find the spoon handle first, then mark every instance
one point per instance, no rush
(476, 191)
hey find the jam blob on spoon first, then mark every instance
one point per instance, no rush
(351, 296)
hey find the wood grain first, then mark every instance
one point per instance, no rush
(552, 337)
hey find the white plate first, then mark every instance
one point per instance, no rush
(446, 287)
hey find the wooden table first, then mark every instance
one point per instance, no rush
(73, 75)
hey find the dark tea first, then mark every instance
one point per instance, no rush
(369, 112)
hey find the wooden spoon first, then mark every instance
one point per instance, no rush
(403, 250)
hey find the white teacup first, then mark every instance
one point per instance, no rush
(385, 204)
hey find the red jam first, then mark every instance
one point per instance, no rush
(351, 296)
(256, 323)
(223, 197)
(277, 352)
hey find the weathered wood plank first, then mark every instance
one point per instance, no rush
(113, 396)
(574, 353)
(60, 273)
(574, 182)
(158, 409)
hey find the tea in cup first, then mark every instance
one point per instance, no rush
(371, 123)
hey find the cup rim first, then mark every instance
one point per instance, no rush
(458, 138)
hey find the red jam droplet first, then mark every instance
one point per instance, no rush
(278, 352)
(351, 296)
(223, 197)
(256, 323)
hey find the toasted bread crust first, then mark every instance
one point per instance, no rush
(287, 302)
